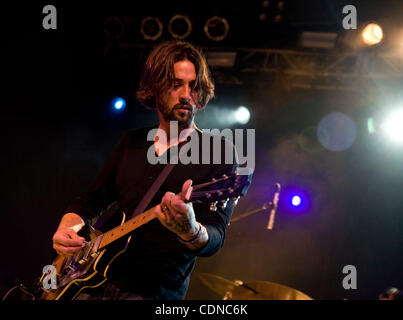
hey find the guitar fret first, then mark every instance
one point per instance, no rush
(127, 227)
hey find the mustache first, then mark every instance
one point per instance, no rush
(187, 106)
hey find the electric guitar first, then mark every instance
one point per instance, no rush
(88, 268)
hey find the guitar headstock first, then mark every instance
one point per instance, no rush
(220, 189)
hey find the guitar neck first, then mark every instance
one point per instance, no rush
(128, 226)
(217, 189)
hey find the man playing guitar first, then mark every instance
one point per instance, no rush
(160, 257)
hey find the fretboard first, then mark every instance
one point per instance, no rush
(128, 226)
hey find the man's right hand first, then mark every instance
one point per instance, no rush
(67, 242)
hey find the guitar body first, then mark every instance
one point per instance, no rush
(77, 273)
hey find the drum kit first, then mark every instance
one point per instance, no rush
(253, 290)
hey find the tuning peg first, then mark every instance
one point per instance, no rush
(236, 200)
(213, 206)
(224, 203)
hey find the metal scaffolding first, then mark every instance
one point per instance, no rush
(323, 70)
(295, 68)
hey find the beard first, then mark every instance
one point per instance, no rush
(183, 113)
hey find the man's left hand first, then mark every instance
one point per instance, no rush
(176, 215)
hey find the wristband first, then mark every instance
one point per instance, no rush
(194, 239)
(78, 227)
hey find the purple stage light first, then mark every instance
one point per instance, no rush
(296, 201)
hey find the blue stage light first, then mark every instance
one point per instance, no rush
(118, 103)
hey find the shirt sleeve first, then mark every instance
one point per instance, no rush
(101, 192)
(216, 222)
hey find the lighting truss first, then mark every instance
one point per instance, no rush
(299, 68)
(322, 70)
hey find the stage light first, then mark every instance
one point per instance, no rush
(262, 17)
(372, 34)
(223, 116)
(278, 18)
(265, 4)
(369, 34)
(393, 126)
(216, 28)
(114, 28)
(118, 103)
(242, 115)
(151, 28)
(280, 5)
(296, 201)
(180, 27)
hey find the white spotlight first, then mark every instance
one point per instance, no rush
(372, 34)
(393, 126)
(242, 115)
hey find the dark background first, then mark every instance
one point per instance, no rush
(57, 128)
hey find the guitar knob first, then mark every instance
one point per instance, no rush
(236, 200)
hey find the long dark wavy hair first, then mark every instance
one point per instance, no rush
(158, 74)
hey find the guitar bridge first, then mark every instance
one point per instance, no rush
(88, 249)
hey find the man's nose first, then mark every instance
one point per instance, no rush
(186, 95)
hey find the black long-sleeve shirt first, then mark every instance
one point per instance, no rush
(155, 264)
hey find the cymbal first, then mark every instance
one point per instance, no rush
(218, 284)
(253, 290)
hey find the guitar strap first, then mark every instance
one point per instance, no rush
(153, 190)
(107, 213)
(141, 207)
